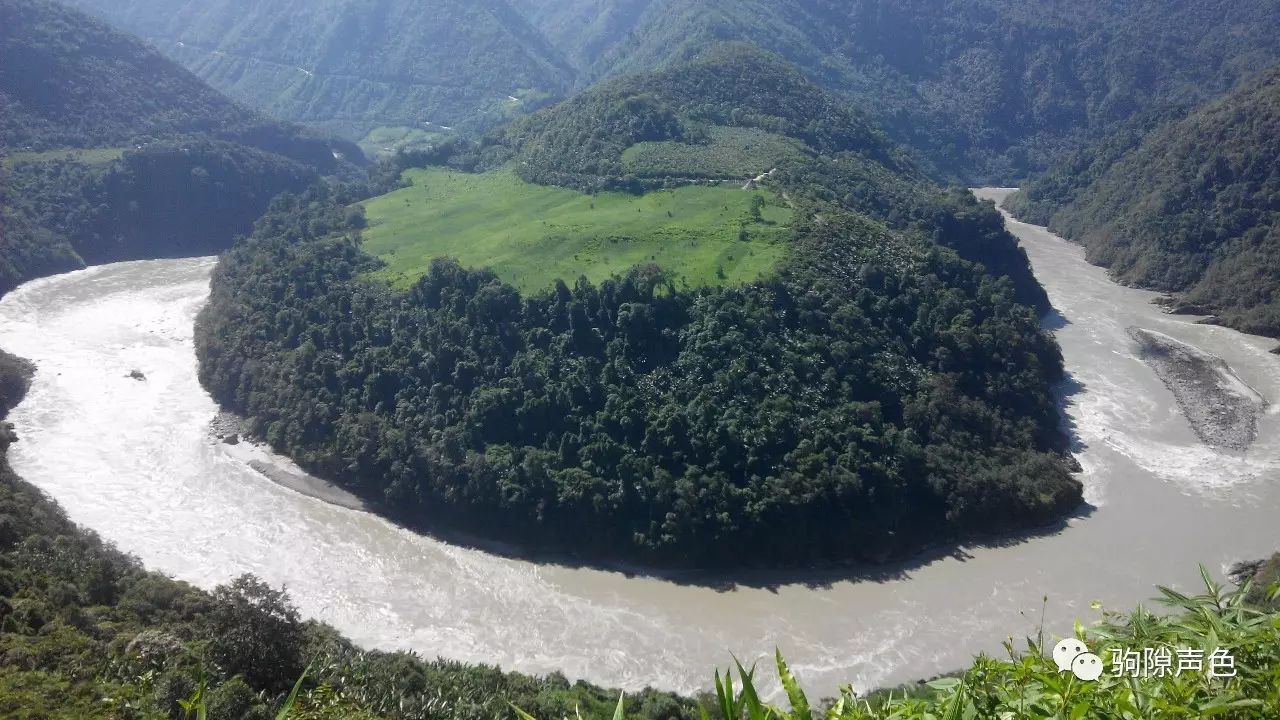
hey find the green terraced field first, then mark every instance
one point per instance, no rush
(727, 153)
(532, 234)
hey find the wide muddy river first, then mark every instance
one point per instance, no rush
(134, 460)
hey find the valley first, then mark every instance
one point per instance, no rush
(590, 347)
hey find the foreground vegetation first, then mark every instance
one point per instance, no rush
(532, 235)
(1192, 206)
(1027, 684)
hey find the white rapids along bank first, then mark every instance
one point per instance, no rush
(134, 461)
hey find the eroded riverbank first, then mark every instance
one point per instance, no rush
(134, 461)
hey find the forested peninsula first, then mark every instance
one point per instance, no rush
(1190, 205)
(876, 390)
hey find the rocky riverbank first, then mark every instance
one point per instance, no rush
(228, 429)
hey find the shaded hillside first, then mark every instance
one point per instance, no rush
(985, 89)
(871, 393)
(350, 65)
(1193, 208)
(69, 81)
(110, 151)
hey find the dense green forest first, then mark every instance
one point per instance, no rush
(109, 151)
(1192, 206)
(877, 379)
(349, 66)
(985, 90)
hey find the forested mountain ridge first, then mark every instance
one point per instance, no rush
(876, 380)
(987, 90)
(1192, 207)
(348, 66)
(109, 151)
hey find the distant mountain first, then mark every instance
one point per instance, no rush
(350, 65)
(110, 151)
(1192, 207)
(985, 89)
(69, 81)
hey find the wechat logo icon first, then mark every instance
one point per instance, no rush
(1072, 654)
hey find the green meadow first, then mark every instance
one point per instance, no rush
(530, 235)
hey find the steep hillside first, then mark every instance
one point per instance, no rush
(349, 66)
(985, 89)
(868, 392)
(69, 81)
(108, 150)
(1194, 208)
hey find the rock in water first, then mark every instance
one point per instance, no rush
(1222, 409)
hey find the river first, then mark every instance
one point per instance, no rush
(134, 461)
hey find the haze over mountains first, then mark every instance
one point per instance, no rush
(986, 90)
(351, 65)
(110, 151)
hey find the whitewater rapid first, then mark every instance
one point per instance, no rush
(134, 461)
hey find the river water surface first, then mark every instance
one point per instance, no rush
(134, 461)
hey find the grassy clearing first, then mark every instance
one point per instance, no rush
(727, 153)
(84, 156)
(530, 235)
(389, 140)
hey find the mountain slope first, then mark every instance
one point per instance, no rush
(69, 81)
(1195, 208)
(110, 151)
(985, 89)
(350, 65)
